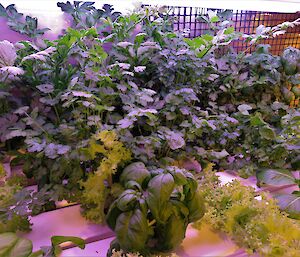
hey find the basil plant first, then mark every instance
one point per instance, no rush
(153, 212)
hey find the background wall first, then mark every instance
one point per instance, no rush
(248, 14)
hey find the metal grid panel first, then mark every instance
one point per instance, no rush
(243, 21)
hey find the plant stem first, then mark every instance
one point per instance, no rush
(55, 110)
(152, 222)
(36, 123)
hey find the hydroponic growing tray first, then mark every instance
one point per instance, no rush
(67, 221)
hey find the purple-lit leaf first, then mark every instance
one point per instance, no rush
(125, 123)
(22, 110)
(35, 145)
(244, 108)
(139, 68)
(11, 70)
(81, 94)
(7, 54)
(46, 88)
(63, 149)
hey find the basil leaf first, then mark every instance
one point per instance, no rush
(127, 200)
(158, 194)
(196, 207)
(132, 230)
(112, 215)
(179, 208)
(178, 175)
(191, 187)
(136, 171)
(133, 185)
(143, 205)
(171, 234)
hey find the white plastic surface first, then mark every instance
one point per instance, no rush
(63, 222)
(197, 243)
(227, 177)
(205, 242)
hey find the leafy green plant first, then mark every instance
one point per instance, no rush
(220, 33)
(152, 212)
(13, 246)
(256, 225)
(12, 218)
(85, 15)
(16, 22)
(117, 90)
(98, 185)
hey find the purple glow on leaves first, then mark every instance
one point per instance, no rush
(7, 54)
(81, 94)
(11, 70)
(139, 68)
(46, 88)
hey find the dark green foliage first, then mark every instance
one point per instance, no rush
(174, 104)
(85, 15)
(15, 21)
(152, 214)
(12, 216)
